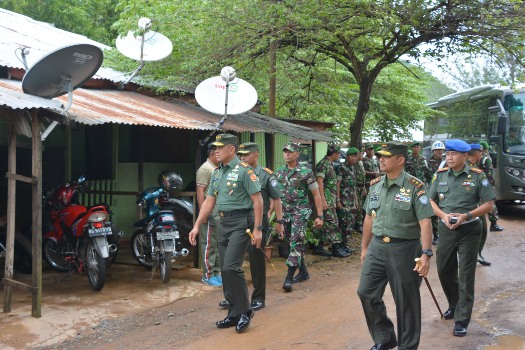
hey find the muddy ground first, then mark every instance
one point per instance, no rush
(134, 312)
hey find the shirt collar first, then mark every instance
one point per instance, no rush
(399, 181)
(464, 170)
(232, 163)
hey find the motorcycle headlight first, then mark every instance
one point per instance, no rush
(97, 217)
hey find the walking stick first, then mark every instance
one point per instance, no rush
(418, 262)
(249, 232)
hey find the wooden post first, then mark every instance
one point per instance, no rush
(11, 205)
(36, 309)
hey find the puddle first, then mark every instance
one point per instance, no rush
(508, 342)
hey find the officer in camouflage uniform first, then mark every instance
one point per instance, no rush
(236, 191)
(347, 195)
(361, 192)
(416, 164)
(326, 179)
(295, 182)
(459, 194)
(486, 166)
(438, 149)
(371, 165)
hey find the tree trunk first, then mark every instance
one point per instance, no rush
(356, 128)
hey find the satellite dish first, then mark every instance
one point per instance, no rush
(156, 46)
(211, 95)
(62, 70)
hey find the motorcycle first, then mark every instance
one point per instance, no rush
(75, 236)
(157, 240)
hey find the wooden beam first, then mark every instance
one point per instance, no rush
(36, 309)
(19, 285)
(22, 178)
(11, 207)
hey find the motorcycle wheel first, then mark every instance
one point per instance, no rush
(55, 254)
(95, 267)
(138, 249)
(165, 267)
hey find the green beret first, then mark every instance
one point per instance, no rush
(484, 144)
(225, 139)
(351, 151)
(369, 146)
(391, 148)
(248, 147)
(415, 143)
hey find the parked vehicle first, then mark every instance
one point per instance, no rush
(76, 237)
(157, 240)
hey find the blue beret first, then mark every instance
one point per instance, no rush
(475, 146)
(457, 146)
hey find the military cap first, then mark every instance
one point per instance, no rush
(476, 146)
(248, 147)
(225, 139)
(351, 151)
(484, 144)
(457, 146)
(391, 148)
(415, 143)
(292, 147)
(334, 149)
(369, 146)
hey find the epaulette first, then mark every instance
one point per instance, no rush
(440, 170)
(414, 181)
(476, 170)
(269, 171)
(244, 164)
(374, 181)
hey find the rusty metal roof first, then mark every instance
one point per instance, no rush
(93, 107)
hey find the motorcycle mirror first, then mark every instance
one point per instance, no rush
(81, 179)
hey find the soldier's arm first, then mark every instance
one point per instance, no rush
(257, 213)
(367, 236)
(318, 206)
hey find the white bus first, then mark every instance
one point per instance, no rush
(488, 113)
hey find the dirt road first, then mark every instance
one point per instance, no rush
(132, 312)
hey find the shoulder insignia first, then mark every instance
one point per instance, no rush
(269, 171)
(414, 181)
(244, 164)
(374, 181)
(420, 193)
(476, 170)
(441, 170)
(250, 171)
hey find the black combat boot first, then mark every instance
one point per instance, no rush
(338, 251)
(495, 227)
(344, 244)
(319, 250)
(303, 273)
(287, 286)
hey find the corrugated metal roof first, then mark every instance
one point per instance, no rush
(92, 107)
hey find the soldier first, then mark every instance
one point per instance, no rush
(208, 239)
(235, 189)
(486, 166)
(295, 181)
(456, 192)
(371, 165)
(347, 195)
(434, 163)
(249, 153)
(416, 164)
(397, 226)
(326, 180)
(362, 190)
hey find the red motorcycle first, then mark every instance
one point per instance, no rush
(75, 236)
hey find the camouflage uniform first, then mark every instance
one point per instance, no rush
(418, 167)
(347, 175)
(486, 166)
(361, 192)
(295, 184)
(433, 166)
(370, 164)
(330, 231)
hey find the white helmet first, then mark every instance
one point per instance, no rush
(437, 145)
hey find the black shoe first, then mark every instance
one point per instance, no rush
(244, 321)
(301, 277)
(435, 239)
(460, 330)
(386, 346)
(449, 314)
(338, 252)
(257, 305)
(495, 227)
(319, 250)
(483, 262)
(225, 304)
(287, 286)
(227, 322)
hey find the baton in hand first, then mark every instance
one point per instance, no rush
(418, 262)
(249, 232)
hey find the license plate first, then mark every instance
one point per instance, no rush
(167, 235)
(103, 231)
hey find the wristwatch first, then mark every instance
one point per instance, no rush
(469, 216)
(427, 252)
(259, 227)
(320, 217)
(281, 221)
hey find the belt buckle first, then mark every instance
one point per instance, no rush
(221, 214)
(386, 239)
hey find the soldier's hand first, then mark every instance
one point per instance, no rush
(338, 204)
(257, 238)
(423, 265)
(279, 228)
(193, 235)
(318, 223)
(363, 255)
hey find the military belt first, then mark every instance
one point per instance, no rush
(235, 212)
(387, 239)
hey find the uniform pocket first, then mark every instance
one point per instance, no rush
(401, 205)
(442, 188)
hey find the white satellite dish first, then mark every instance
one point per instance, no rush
(156, 46)
(211, 95)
